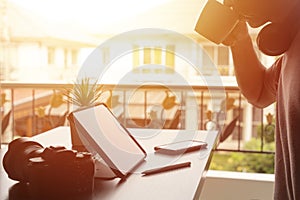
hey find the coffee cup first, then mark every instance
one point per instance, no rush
(216, 21)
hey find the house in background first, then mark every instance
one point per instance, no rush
(35, 49)
(34, 46)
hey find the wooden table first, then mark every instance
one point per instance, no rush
(181, 184)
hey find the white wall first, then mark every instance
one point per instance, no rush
(29, 56)
(222, 185)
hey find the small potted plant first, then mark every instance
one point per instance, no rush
(84, 93)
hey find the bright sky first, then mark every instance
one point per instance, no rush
(88, 12)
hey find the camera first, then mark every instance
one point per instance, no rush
(51, 172)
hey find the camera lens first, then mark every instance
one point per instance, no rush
(15, 161)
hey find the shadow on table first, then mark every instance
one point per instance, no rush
(21, 191)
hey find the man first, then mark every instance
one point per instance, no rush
(280, 82)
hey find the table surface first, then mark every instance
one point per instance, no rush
(179, 184)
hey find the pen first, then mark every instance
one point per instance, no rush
(166, 168)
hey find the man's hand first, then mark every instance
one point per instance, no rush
(239, 32)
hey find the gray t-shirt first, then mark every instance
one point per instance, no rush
(283, 80)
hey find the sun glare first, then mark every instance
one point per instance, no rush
(88, 12)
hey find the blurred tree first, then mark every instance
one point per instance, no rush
(246, 162)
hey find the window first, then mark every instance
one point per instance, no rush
(105, 55)
(66, 53)
(219, 55)
(157, 56)
(74, 56)
(210, 52)
(170, 58)
(147, 55)
(154, 55)
(135, 57)
(223, 55)
(51, 55)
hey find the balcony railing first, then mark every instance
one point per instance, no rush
(192, 107)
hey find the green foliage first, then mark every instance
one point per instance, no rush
(246, 162)
(269, 132)
(84, 93)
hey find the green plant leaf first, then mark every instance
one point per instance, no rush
(84, 93)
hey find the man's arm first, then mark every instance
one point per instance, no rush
(249, 71)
